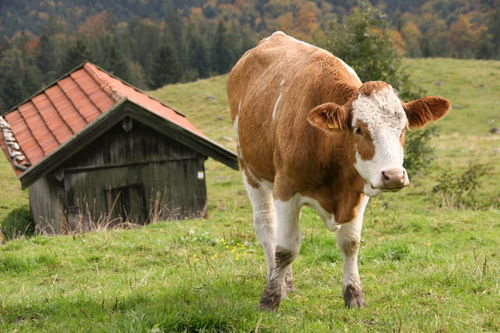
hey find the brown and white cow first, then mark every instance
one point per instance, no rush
(311, 133)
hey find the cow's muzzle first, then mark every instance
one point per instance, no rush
(394, 179)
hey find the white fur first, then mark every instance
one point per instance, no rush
(235, 126)
(287, 220)
(385, 117)
(281, 33)
(275, 108)
(328, 218)
(264, 222)
(352, 232)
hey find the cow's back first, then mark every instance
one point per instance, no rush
(271, 89)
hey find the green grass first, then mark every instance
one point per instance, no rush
(423, 268)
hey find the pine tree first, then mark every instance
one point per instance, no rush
(115, 62)
(197, 55)
(221, 50)
(45, 58)
(76, 54)
(13, 90)
(166, 69)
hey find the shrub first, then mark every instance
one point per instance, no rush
(17, 224)
(459, 189)
(363, 41)
(419, 152)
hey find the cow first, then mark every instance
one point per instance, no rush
(309, 132)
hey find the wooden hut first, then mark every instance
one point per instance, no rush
(93, 149)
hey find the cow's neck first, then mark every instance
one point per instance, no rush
(341, 185)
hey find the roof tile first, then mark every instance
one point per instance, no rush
(55, 115)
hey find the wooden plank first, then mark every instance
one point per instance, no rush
(46, 204)
(117, 166)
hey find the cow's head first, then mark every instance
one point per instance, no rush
(375, 122)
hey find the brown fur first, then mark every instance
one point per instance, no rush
(289, 151)
(309, 147)
(250, 179)
(364, 141)
(425, 109)
(368, 88)
(329, 116)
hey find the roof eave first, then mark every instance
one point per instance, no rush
(105, 121)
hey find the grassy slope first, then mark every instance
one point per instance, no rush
(423, 268)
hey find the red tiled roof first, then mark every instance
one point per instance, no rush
(55, 115)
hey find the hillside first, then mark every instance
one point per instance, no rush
(423, 268)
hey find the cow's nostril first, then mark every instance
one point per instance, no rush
(393, 178)
(385, 177)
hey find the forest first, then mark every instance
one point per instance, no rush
(151, 43)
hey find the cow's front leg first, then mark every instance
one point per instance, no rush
(348, 240)
(288, 241)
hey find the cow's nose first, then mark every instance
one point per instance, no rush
(394, 179)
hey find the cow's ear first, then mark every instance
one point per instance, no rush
(425, 109)
(329, 117)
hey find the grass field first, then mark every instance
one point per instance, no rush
(423, 268)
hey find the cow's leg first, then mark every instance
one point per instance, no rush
(348, 240)
(288, 241)
(264, 222)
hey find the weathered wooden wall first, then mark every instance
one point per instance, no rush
(130, 172)
(46, 197)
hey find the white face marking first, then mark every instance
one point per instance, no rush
(349, 69)
(383, 113)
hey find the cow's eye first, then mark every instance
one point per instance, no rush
(358, 131)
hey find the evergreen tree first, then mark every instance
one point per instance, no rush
(46, 60)
(494, 31)
(197, 55)
(142, 40)
(221, 50)
(363, 42)
(174, 34)
(166, 69)
(116, 63)
(13, 90)
(77, 53)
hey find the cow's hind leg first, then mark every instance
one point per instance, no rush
(288, 241)
(264, 222)
(348, 240)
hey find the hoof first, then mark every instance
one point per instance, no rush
(269, 301)
(353, 297)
